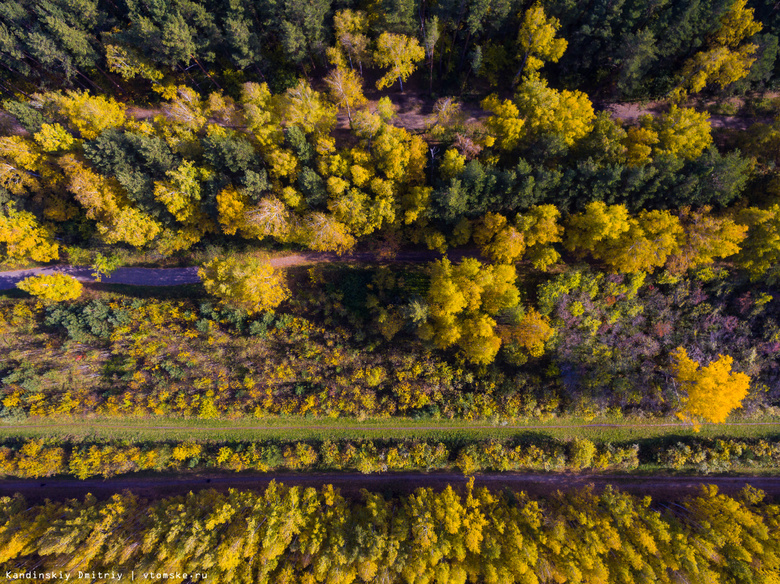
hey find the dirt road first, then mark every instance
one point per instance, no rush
(189, 275)
(350, 484)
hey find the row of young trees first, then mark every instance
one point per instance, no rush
(629, 50)
(290, 534)
(39, 457)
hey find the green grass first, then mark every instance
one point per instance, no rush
(296, 428)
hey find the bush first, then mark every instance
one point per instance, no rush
(52, 287)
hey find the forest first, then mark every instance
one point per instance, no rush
(285, 238)
(290, 534)
(577, 263)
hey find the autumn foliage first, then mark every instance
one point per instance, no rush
(52, 287)
(711, 392)
(252, 284)
(283, 532)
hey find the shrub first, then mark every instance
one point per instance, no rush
(52, 287)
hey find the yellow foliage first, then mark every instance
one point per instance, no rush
(461, 300)
(533, 332)
(566, 114)
(131, 226)
(252, 284)
(537, 42)
(506, 125)
(52, 287)
(452, 164)
(683, 132)
(25, 238)
(400, 54)
(499, 241)
(725, 61)
(541, 229)
(53, 137)
(711, 392)
(90, 114)
(230, 207)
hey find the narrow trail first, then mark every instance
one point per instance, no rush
(189, 275)
(661, 488)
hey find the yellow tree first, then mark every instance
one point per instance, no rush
(627, 244)
(53, 137)
(400, 54)
(89, 114)
(710, 392)
(24, 237)
(600, 222)
(706, 237)
(541, 229)
(499, 240)
(262, 113)
(505, 126)
(350, 27)
(346, 89)
(532, 332)
(462, 300)
(537, 42)
(725, 61)
(761, 250)
(52, 287)
(651, 238)
(308, 109)
(251, 283)
(639, 143)
(683, 132)
(322, 232)
(566, 114)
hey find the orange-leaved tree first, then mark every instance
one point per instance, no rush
(711, 392)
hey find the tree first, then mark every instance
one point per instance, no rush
(462, 302)
(565, 114)
(129, 64)
(706, 237)
(350, 27)
(761, 250)
(725, 61)
(89, 114)
(682, 132)
(499, 240)
(651, 238)
(506, 125)
(249, 283)
(537, 42)
(24, 237)
(400, 54)
(346, 89)
(322, 232)
(532, 332)
(541, 229)
(52, 287)
(53, 137)
(627, 244)
(710, 392)
(308, 109)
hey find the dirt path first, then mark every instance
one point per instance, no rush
(189, 275)
(537, 485)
